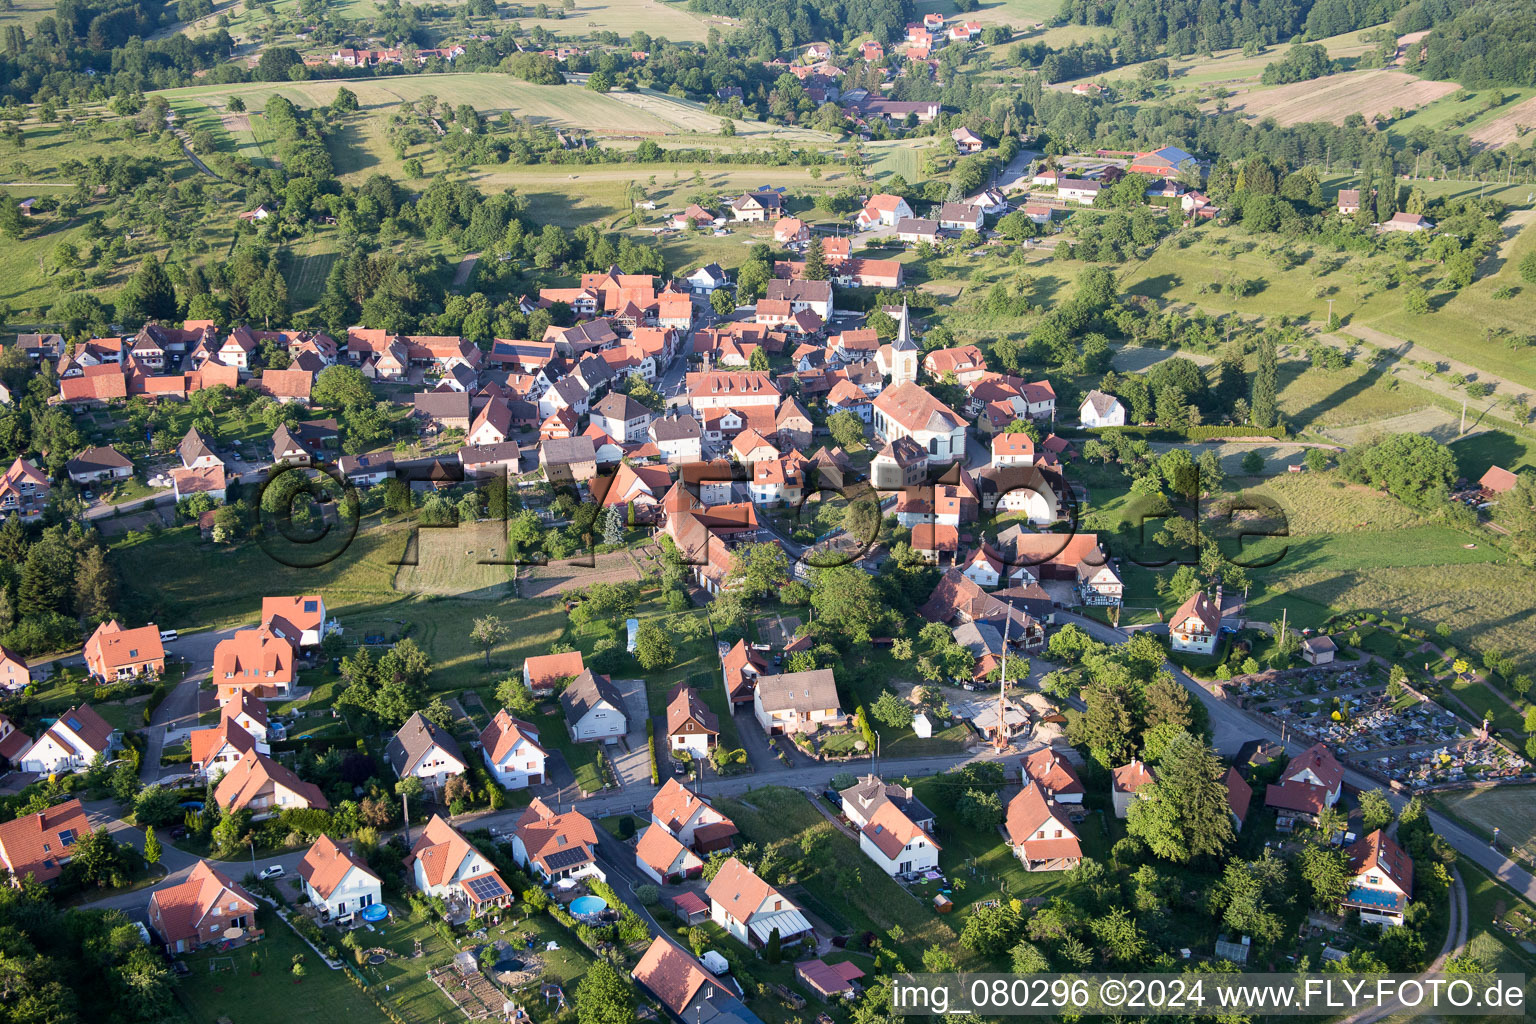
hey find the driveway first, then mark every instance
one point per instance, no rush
(633, 767)
(178, 712)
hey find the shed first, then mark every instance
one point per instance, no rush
(922, 725)
(943, 904)
(690, 907)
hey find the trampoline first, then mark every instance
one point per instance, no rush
(375, 912)
(588, 906)
(376, 959)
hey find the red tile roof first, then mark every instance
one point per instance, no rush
(33, 845)
(182, 908)
(327, 863)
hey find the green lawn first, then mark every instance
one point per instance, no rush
(1477, 452)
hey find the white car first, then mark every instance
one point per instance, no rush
(275, 871)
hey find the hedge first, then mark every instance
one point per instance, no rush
(1191, 434)
(650, 738)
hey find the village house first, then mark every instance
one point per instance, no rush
(897, 844)
(966, 362)
(912, 230)
(1039, 834)
(555, 846)
(829, 981)
(1239, 796)
(741, 666)
(802, 296)
(1408, 222)
(264, 787)
(221, 746)
(38, 845)
(883, 209)
(338, 881)
(621, 417)
(960, 217)
(757, 206)
(258, 660)
(967, 141)
(15, 673)
(94, 465)
(542, 673)
(1311, 781)
(1055, 775)
(1078, 190)
(594, 708)
(663, 859)
(791, 231)
(869, 794)
(1195, 626)
(901, 463)
(424, 750)
(797, 702)
(512, 752)
(1381, 880)
(445, 864)
(206, 909)
(1101, 410)
(691, 819)
(1126, 784)
(689, 993)
(691, 727)
(1318, 650)
(568, 460)
(300, 619)
(751, 910)
(113, 653)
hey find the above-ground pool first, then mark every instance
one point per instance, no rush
(588, 906)
(375, 912)
(509, 966)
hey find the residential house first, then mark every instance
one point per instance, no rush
(751, 910)
(678, 436)
(209, 908)
(210, 480)
(1012, 450)
(1039, 833)
(797, 701)
(861, 272)
(691, 727)
(1055, 775)
(594, 708)
(741, 666)
(301, 619)
(94, 465)
(707, 278)
(902, 463)
(338, 881)
(967, 141)
(960, 217)
(846, 396)
(689, 993)
(966, 362)
(1239, 796)
(1311, 781)
(695, 216)
(264, 787)
(15, 673)
(259, 660)
(512, 752)
(1195, 626)
(493, 424)
(897, 844)
(38, 845)
(1408, 222)
(829, 981)
(571, 459)
(791, 231)
(290, 448)
(1126, 784)
(424, 750)
(24, 491)
(913, 230)
(1101, 410)
(792, 425)
(908, 411)
(445, 864)
(220, 747)
(196, 451)
(555, 846)
(883, 209)
(1079, 190)
(542, 673)
(1381, 880)
(691, 819)
(113, 653)
(866, 796)
(662, 858)
(1349, 201)
(720, 389)
(757, 206)
(803, 296)
(368, 469)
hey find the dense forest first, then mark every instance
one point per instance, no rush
(1184, 27)
(802, 21)
(1489, 43)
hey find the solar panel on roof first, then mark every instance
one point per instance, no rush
(310, 606)
(565, 858)
(67, 837)
(486, 887)
(73, 722)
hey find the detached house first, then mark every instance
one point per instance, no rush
(1311, 781)
(691, 819)
(751, 910)
(71, 743)
(861, 800)
(220, 747)
(443, 863)
(1381, 882)
(256, 660)
(741, 666)
(594, 708)
(94, 465)
(621, 418)
(40, 844)
(425, 750)
(757, 206)
(1039, 833)
(897, 844)
(264, 787)
(338, 881)
(1195, 626)
(554, 845)
(1101, 410)
(113, 653)
(691, 727)
(542, 672)
(690, 994)
(301, 619)
(663, 859)
(202, 911)
(883, 209)
(796, 702)
(512, 752)
(1055, 776)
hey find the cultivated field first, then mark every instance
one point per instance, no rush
(1510, 809)
(1505, 128)
(27, 13)
(1431, 421)
(462, 561)
(1334, 98)
(669, 20)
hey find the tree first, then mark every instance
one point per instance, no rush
(772, 951)
(1183, 813)
(980, 809)
(722, 302)
(758, 570)
(892, 710)
(758, 361)
(846, 428)
(1376, 810)
(1527, 265)
(1415, 469)
(1262, 402)
(1253, 463)
(95, 585)
(1245, 894)
(515, 696)
(345, 101)
(151, 846)
(1326, 873)
(815, 261)
(341, 387)
(604, 996)
(653, 647)
(847, 603)
(12, 224)
(487, 632)
(991, 930)
(150, 294)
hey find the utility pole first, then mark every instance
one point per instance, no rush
(405, 804)
(1463, 416)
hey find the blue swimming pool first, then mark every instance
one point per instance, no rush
(375, 912)
(588, 906)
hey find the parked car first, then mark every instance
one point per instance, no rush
(275, 871)
(168, 636)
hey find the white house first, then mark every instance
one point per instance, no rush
(691, 819)
(1079, 190)
(663, 859)
(1039, 833)
(594, 708)
(511, 750)
(1381, 881)
(300, 619)
(1126, 782)
(1101, 410)
(1312, 781)
(796, 701)
(338, 880)
(621, 417)
(554, 846)
(425, 750)
(1196, 625)
(751, 910)
(443, 863)
(707, 278)
(896, 844)
(71, 743)
(861, 800)
(907, 410)
(691, 727)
